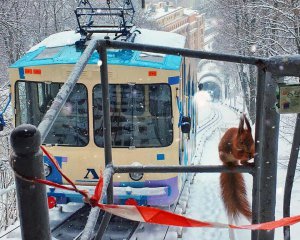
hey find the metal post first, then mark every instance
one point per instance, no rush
(260, 92)
(107, 135)
(106, 116)
(267, 165)
(88, 231)
(107, 178)
(27, 161)
(289, 181)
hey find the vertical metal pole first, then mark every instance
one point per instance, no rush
(106, 117)
(289, 181)
(267, 166)
(27, 161)
(259, 134)
(107, 134)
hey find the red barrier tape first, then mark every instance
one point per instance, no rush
(155, 215)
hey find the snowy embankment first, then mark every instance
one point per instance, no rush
(8, 212)
(205, 200)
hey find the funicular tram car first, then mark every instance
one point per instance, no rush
(147, 102)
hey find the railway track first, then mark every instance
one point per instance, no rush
(209, 125)
(72, 227)
(132, 230)
(210, 121)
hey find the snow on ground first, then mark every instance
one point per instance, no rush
(205, 201)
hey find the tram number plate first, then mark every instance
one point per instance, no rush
(289, 98)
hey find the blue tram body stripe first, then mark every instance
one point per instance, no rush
(160, 157)
(54, 176)
(173, 80)
(168, 198)
(69, 55)
(21, 73)
(186, 158)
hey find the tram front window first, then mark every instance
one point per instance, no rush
(33, 99)
(141, 115)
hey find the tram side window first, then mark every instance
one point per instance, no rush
(33, 99)
(141, 115)
(48, 53)
(160, 108)
(133, 99)
(160, 104)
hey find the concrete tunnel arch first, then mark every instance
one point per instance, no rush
(212, 83)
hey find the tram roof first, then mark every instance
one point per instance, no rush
(60, 48)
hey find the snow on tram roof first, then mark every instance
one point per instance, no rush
(160, 38)
(151, 37)
(58, 40)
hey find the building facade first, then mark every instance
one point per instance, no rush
(184, 21)
(180, 20)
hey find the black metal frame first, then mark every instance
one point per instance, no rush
(122, 27)
(266, 138)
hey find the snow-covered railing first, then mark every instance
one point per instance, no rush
(8, 205)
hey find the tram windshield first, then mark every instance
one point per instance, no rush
(141, 115)
(70, 128)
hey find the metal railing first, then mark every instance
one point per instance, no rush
(266, 138)
(8, 205)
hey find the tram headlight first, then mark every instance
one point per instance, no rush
(136, 176)
(47, 169)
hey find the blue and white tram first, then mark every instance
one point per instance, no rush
(150, 95)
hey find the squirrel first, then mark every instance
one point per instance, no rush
(236, 147)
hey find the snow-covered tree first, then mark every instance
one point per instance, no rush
(255, 28)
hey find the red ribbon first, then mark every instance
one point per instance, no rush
(154, 215)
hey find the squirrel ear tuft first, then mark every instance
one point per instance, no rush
(241, 125)
(247, 124)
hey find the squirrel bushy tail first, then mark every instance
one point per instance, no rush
(234, 195)
(236, 148)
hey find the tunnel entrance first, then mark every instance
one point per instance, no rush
(212, 88)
